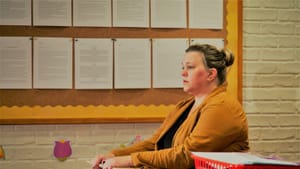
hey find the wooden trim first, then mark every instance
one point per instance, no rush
(234, 43)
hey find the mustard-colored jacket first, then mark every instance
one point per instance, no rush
(219, 124)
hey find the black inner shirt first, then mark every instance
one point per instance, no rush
(166, 140)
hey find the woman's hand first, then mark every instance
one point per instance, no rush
(120, 161)
(100, 159)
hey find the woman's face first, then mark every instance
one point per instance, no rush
(194, 73)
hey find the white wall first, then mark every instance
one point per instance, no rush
(271, 76)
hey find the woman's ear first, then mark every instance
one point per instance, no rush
(212, 74)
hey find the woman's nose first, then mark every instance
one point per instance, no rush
(183, 72)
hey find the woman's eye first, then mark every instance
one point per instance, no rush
(190, 67)
(187, 67)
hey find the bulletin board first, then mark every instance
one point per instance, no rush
(63, 106)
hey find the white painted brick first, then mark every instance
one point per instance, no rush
(288, 41)
(64, 135)
(278, 134)
(17, 164)
(278, 54)
(146, 130)
(278, 3)
(251, 14)
(6, 164)
(261, 147)
(251, 54)
(35, 152)
(104, 136)
(29, 152)
(271, 94)
(95, 137)
(65, 127)
(125, 132)
(5, 128)
(47, 164)
(260, 68)
(271, 80)
(25, 128)
(81, 164)
(147, 126)
(125, 135)
(275, 146)
(260, 120)
(297, 54)
(252, 4)
(289, 146)
(67, 164)
(277, 28)
(254, 133)
(252, 27)
(297, 5)
(260, 41)
(293, 157)
(298, 134)
(16, 138)
(44, 138)
(289, 15)
(289, 68)
(125, 126)
(105, 148)
(265, 67)
(48, 128)
(290, 120)
(298, 106)
(83, 151)
(270, 107)
(297, 30)
(77, 127)
(111, 126)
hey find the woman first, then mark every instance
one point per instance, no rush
(209, 121)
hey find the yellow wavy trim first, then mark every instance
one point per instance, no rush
(83, 114)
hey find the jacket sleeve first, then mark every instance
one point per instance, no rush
(175, 157)
(220, 126)
(217, 128)
(146, 145)
(149, 144)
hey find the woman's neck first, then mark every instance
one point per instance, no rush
(199, 100)
(205, 92)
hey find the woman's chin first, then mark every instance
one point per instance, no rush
(185, 89)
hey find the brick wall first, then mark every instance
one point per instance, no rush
(271, 90)
(31, 146)
(271, 76)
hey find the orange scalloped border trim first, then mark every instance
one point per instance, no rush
(83, 114)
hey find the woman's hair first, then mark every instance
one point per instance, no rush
(214, 58)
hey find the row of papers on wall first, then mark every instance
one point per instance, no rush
(95, 63)
(206, 14)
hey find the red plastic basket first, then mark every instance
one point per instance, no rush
(205, 163)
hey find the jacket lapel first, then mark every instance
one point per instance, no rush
(174, 118)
